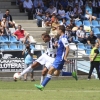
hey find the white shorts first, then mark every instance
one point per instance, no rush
(87, 16)
(46, 60)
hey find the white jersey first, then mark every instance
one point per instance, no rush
(48, 57)
(51, 49)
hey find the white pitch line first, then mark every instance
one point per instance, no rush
(49, 90)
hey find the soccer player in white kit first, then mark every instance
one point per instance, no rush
(45, 59)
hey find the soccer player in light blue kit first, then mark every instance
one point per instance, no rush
(61, 56)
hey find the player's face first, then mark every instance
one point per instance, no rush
(45, 39)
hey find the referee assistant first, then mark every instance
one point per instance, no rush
(94, 60)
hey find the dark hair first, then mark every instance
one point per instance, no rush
(20, 25)
(62, 28)
(27, 46)
(64, 19)
(45, 34)
(81, 25)
(7, 9)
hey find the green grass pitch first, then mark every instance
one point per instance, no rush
(55, 90)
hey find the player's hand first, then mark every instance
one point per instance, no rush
(66, 60)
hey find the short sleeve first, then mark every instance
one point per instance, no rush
(65, 42)
(96, 51)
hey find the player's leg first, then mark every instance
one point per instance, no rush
(57, 65)
(56, 72)
(47, 79)
(35, 64)
(39, 61)
(48, 63)
(44, 72)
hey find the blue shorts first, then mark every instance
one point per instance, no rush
(58, 64)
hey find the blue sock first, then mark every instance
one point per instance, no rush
(46, 80)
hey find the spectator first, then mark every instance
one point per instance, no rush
(54, 27)
(69, 13)
(68, 32)
(89, 12)
(21, 35)
(47, 20)
(9, 19)
(39, 16)
(96, 7)
(47, 3)
(77, 11)
(79, 2)
(61, 12)
(28, 6)
(4, 26)
(64, 3)
(20, 3)
(4, 23)
(64, 22)
(52, 10)
(28, 55)
(81, 35)
(56, 3)
(71, 3)
(38, 2)
(53, 18)
(92, 38)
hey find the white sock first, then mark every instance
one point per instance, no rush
(42, 77)
(25, 71)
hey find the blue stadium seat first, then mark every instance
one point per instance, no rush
(78, 23)
(75, 40)
(4, 39)
(21, 46)
(13, 39)
(0, 40)
(67, 22)
(88, 51)
(13, 46)
(32, 46)
(4, 46)
(96, 31)
(95, 23)
(88, 46)
(81, 46)
(87, 23)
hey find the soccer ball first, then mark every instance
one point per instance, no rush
(16, 76)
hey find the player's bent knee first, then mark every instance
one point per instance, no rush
(56, 73)
(51, 70)
(44, 73)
